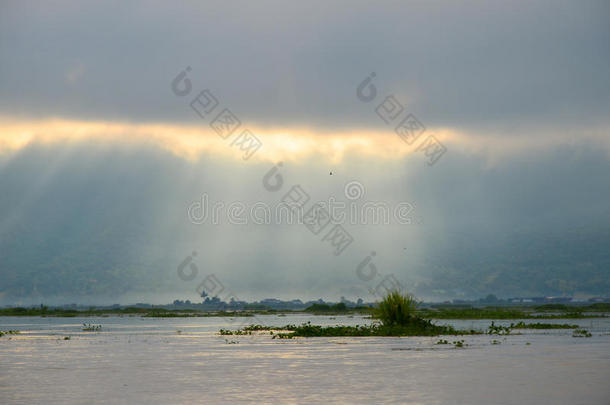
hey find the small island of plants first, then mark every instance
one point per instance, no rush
(396, 315)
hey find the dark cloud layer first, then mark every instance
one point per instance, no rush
(500, 66)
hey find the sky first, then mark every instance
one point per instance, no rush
(468, 143)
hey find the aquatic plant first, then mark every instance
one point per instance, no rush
(257, 327)
(91, 328)
(581, 333)
(232, 332)
(498, 329)
(459, 343)
(538, 325)
(9, 332)
(396, 309)
(283, 335)
(419, 327)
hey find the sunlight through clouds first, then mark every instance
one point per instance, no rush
(288, 144)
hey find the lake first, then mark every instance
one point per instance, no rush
(184, 361)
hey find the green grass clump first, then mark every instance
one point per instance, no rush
(91, 328)
(9, 332)
(397, 309)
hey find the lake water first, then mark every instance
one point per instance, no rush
(135, 360)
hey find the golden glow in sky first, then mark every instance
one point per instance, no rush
(190, 141)
(287, 144)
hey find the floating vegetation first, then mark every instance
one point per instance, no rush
(66, 337)
(257, 328)
(88, 327)
(456, 343)
(495, 342)
(498, 329)
(247, 330)
(538, 325)
(9, 332)
(232, 332)
(420, 327)
(581, 333)
(459, 343)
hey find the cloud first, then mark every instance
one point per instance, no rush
(75, 73)
(100, 159)
(289, 144)
(492, 68)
